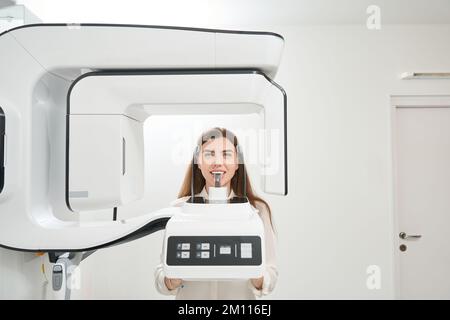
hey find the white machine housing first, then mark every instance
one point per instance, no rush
(236, 226)
(74, 99)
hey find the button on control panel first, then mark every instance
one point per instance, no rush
(246, 250)
(183, 246)
(225, 249)
(202, 246)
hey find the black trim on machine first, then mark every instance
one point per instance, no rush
(131, 72)
(149, 228)
(260, 33)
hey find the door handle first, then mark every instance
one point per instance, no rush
(405, 236)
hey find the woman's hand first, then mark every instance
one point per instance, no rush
(258, 283)
(172, 284)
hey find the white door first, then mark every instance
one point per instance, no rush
(421, 141)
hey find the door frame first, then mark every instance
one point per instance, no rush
(398, 102)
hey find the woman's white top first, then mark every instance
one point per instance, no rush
(226, 290)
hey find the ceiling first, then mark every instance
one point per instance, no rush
(210, 13)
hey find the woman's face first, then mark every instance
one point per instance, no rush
(218, 155)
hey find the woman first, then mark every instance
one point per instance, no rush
(218, 152)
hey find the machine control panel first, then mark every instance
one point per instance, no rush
(214, 250)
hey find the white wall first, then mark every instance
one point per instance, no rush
(339, 80)
(21, 276)
(337, 218)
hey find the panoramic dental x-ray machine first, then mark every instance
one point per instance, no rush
(73, 101)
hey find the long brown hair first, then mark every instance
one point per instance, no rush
(237, 182)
